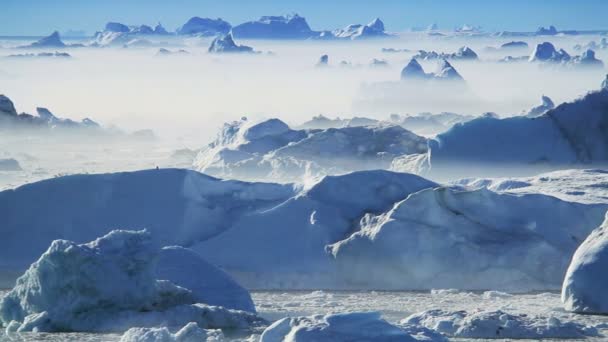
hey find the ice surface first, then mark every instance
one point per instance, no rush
(108, 284)
(355, 326)
(498, 325)
(585, 282)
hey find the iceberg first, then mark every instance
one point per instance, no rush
(546, 52)
(7, 108)
(571, 133)
(51, 41)
(116, 27)
(550, 31)
(466, 239)
(545, 105)
(108, 284)
(585, 282)
(208, 284)
(354, 326)
(323, 61)
(205, 27)
(375, 29)
(587, 59)
(498, 325)
(514, 45)
(463, 53)
(445, 72)
(272, 150)
(274, 27)
(226, 44)
(9, 164)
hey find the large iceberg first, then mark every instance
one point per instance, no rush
(584, 288)
(274, 27)
(225, 44)
(463, 53)
(572, 133)
(467, 239)
(498, 325)
(208, 284)
(108, 284)
(354, 326)
(546, 52)
(205, 27)
(375, 29)
(271, 150)
(445, 72)
(51, 41)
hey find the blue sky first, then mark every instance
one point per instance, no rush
(36, 17)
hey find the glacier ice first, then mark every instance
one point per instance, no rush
(226, 44)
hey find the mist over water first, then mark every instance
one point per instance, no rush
(188, 97)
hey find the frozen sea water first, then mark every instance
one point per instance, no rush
(395, 306)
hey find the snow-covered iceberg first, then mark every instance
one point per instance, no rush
(226, 44)
(375, 29)
(584, 288)
(274, 27)
(546, 52)
(498, 325)
(108, 284)
(272, 150)
(205, 27)
(355, 326)
(189, 333)
(467, 239)
(572, 133)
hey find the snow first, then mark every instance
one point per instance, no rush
(354, 326)
(498, 324)
(205, 27)
(274, 27)
(226, 44)
(467, 239)
(208, 284)
(189, 333)
(108, 284)
(585, 282)
(446, 71)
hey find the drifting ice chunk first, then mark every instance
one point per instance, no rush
(356, 326)
(106, 285)
(585, 284)
(498, 325)
(190, 333)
